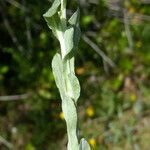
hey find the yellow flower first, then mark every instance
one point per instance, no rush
(90, 111)
(92, 142)
(61, 115)
(133, 97)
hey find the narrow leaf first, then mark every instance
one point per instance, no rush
(52, 17)
(53, 9)
(57, 67)
(84, 145)
(70, 115)
(75, 86)
(74, 19)
(68, 36)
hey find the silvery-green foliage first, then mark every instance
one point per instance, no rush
(84, 145)
(68, 34)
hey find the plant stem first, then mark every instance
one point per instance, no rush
(68, 34)
(63, 13)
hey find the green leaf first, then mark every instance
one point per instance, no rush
(68, 36)
(84, 145)
(57, 67)
(72, 37)
(68, 104)
(53, 9)
(52, 18)
(74, 19)
(75, 86)
(70, 115)
(53, 24)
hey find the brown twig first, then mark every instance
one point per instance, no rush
(98, 51)
(14, 97)
(9, 29)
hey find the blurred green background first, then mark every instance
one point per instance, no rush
(112, 64)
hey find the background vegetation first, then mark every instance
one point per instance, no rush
(112, 66)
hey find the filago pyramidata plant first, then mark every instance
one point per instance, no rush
(67, 31)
